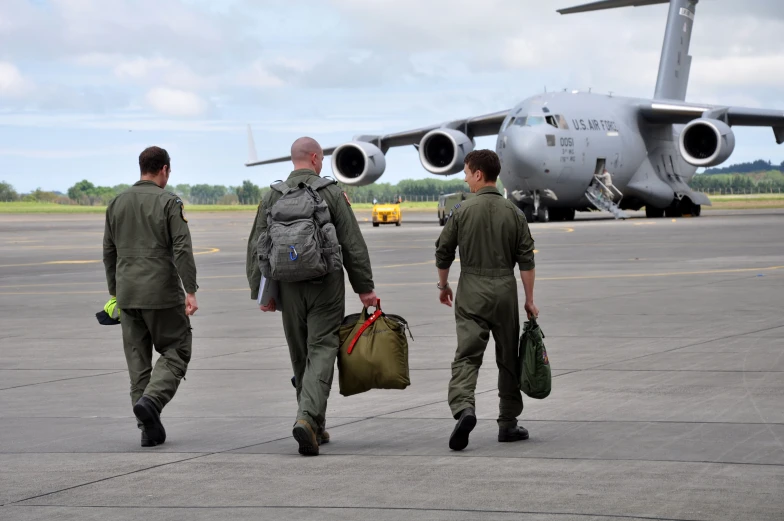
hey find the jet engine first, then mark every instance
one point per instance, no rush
(443, 150)
(706, 142)
(358, 163)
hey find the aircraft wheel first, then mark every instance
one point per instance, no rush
(528, 211)
(697, 210)
(543, 215)
(569, 214)
(673, 211)
(375, 225)
(652, 212)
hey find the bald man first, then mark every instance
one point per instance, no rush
(313, 309)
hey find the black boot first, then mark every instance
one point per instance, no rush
(512, 434)
(149, 415)
(465, 424)
(147, 442)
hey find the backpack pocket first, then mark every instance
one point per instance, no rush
(263, 250)
(296, 254)
(331, 250)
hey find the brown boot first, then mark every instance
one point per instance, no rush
(323, 438)
(306, 437)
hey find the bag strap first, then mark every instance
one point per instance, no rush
(281, 187)
(366, 325)
(322, 182)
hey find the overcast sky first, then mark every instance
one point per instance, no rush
(85, 85)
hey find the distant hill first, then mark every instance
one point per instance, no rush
(758, 166)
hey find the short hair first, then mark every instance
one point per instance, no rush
(152, 159)
(485, 160)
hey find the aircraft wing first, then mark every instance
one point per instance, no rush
(681, 113)
(485, 125)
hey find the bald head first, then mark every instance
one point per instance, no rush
(307, 153)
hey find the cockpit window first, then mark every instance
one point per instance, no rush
(556, 121)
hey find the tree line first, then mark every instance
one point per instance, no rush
(86, 193)
(753, 177)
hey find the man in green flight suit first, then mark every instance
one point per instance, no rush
(148, 257)
(314, 309)
(493, 236)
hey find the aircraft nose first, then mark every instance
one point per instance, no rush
(529, 150)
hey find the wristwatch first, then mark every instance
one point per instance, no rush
(438, 285)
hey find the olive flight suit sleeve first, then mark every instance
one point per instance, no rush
(525, 244)
(110, 256)
(252, 270)
(356, 258)
(181, 245)
(446, 245)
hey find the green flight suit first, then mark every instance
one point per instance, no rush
(493, 236)
(313, 310)
(147, 252)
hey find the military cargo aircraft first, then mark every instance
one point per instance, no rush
(555, 147)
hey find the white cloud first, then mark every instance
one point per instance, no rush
(174, 102)
(72, 153)
(141, 68)
(12, 83)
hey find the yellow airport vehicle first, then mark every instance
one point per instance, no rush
(387, 213)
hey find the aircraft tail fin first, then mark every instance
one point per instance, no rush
(675, 62)
(252, 158)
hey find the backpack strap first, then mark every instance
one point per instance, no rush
(322, 182)
(281, 187)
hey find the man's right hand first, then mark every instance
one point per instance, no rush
(269, 307)
(369, 299)
(190, 304)
(531, 310)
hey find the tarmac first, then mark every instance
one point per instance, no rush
(665, 337)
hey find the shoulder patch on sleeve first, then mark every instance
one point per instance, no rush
(182, 209)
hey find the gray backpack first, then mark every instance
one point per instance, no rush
(300, 242)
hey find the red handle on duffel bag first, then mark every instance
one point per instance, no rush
(366, 325)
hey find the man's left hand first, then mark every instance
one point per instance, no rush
(269, 307)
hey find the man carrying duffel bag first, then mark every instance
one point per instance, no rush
(493, 237)
(373, 352)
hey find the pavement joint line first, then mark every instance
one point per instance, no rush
(725, 337)
(535, 457)
(388, 508)
(362, 418)
(59, 380)
(199, 455)
(660, 290)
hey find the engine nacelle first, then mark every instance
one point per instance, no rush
(443, 150)
(706, 142)
(358, 163)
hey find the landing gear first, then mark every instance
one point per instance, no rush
(682, 208)
(651, 212)
(562, 214)
(543, 215)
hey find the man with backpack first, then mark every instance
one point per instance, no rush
(304, 234)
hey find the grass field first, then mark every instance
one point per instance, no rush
(720, 202)
(22, 208)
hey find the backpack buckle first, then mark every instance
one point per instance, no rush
(293, 255)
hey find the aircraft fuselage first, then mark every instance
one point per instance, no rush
(554, 143)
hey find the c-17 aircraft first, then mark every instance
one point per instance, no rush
(554, 146)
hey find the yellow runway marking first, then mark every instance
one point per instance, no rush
(49, 263)
(408, 284)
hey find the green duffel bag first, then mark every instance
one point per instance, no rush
(535, 376)
(373, 352)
